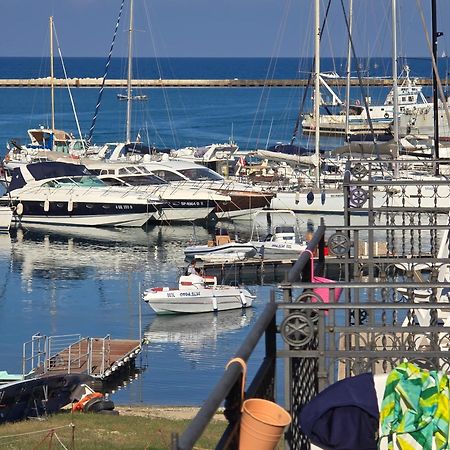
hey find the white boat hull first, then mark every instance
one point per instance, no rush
(5, 218)
(176, 301)
(184, 214)
(225, 249)
(278, 250)
(114, 220)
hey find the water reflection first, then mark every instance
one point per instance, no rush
(195, 333)
(77, 253)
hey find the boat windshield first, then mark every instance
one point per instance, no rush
(88, 181)
(142, 180)
(201, 174)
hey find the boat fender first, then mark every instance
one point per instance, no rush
(214, 302)
(46, 205)
(243, 299)
(70, 205)
(19, 209)
(297, 198)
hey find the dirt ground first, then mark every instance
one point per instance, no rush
(165, 412)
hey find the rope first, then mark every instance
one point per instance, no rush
(108, 62)
(35, 432)
(59, 440)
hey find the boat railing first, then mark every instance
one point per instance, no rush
(49, 353)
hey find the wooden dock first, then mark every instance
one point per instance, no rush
(97, 357)
(172, 83)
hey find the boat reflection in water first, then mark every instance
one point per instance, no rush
(194, 333)
(79, 253)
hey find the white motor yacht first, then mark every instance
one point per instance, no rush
(59, 193)
(245, 198)
(182, 203)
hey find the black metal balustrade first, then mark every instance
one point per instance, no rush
(394, 265)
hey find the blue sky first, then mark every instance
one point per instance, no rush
(212, 28)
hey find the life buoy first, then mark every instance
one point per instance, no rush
(78, 406)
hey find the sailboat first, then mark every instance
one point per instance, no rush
(45, 139)
(318, 198)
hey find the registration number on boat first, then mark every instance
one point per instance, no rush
(189, 294)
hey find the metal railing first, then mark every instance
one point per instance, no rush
(394, 266)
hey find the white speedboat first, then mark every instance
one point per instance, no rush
(221, 245)
(282, 244)
(197, 294)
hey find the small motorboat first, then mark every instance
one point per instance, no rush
(141, 97)
(282, 244)
(197, 294)
(222, 244)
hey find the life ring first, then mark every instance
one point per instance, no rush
(386, 115)
(78, 406)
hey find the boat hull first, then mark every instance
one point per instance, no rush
(174, 214)
(84, 213)
(38, 396)
(224, 249)
(219, 298)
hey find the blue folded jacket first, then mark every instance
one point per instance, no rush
(344, 416)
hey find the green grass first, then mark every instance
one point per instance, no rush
(97, 431)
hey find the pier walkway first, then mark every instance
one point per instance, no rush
(172, 83)
(74, 354)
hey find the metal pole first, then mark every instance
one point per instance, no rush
(317, 88)
(130, 72)
(52, 80)
(435, 35)
(349, 66)
(394, 77)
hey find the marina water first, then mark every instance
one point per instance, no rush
(70, 280)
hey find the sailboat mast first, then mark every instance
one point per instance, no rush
(349, 66)
(394, 74)
(317, 87)
(52, 79)
(130, 72)
(435, 35)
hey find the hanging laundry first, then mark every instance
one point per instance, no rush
(415, 408)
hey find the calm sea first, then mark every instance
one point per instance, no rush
(63, 281)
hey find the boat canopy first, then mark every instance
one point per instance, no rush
(44, 170)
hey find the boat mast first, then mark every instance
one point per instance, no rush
(52, 80)
(317, 87)
(435, 35)
(349, 65)
(130, 72)
(394, 76)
